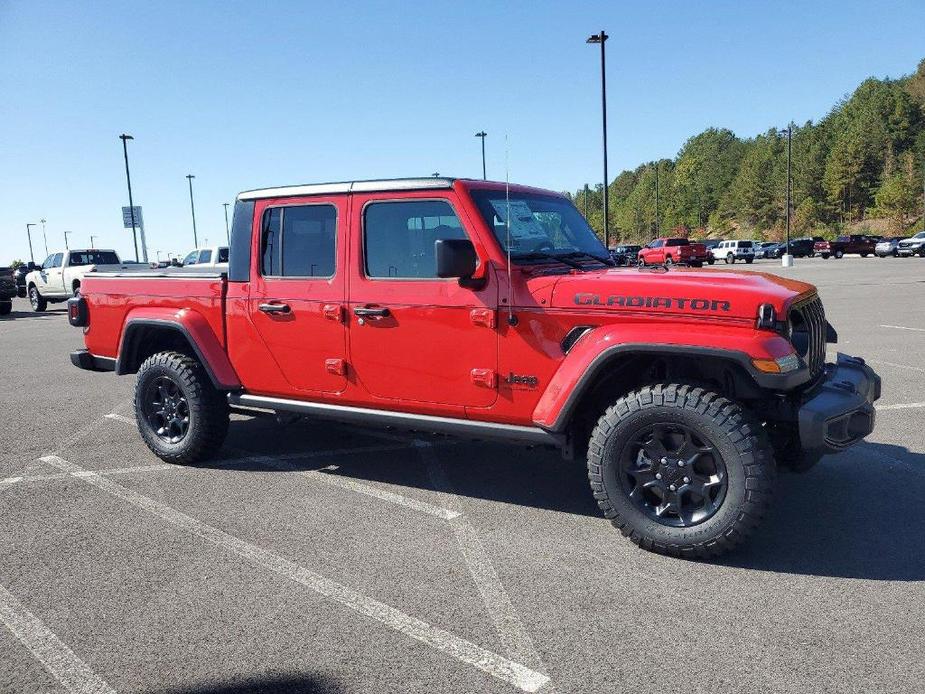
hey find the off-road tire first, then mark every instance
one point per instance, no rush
(208, 409)
(746, 453)
(5, 307)
(39, 303)
(838, 255)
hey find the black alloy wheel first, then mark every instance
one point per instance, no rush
(673, 475)
(166, 410)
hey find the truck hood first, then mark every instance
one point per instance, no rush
(716, 293)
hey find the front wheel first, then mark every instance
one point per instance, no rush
(680, 470)
(669, 261)
(181, 416)
(839, 254)
(37, 300)
(730, 259)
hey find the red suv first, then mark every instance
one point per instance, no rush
(475, 309)
(668, 251)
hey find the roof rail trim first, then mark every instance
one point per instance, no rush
(349, 187)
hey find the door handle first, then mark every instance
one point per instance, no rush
(371, 312)
(275, 308)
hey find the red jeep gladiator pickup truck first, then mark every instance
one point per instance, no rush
(673, 251)
(471, 308)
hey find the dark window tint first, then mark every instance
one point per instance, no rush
(745, 244)
(399, 237)
(299, 241)
(239, 262)
(205, 256)
(223, 255)
(677, 242)
(94, 258)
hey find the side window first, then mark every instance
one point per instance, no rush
(205, 256)
(190, 258)
(299, 241)
(399, 237)
(47, 262)
(222, 255)
(56, 261)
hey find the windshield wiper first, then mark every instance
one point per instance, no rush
(582, 254)
(541, 255)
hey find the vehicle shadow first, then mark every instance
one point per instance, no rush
(855, 515)
(46, 314)
(265, 684)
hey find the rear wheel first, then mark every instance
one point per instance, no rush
(839, 254)
(669, 261)
(37, 300)
(181, 416)
(711, 260)
(825, 256)
(680, 470)
(730, 259)
(5, 307)
(864, 255)
(749, 261)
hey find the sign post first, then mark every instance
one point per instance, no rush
(131, 217)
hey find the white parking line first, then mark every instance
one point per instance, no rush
(514, 637)
(901, 406)
(113, 471)
(120, 417)
(904, 327)
(73, 673)
(898, 366)
(465, 651)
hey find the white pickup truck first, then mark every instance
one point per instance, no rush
(59, 277)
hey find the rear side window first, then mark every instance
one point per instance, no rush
(223, 255)
(94, 258)
(399, 237)
(676, 242)
(745, 244)
(239, 260)
(299, 241)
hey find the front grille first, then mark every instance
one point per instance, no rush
(807, 320)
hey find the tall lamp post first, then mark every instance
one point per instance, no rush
(66, 247)
(483, 134)
(44, 237)
(227, 231)
(787, 259)
(29, 234)
(92, 241)
(192, 206)
(601, 38)
(128, 177)
(658, 222)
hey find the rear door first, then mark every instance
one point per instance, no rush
(413, 336)
(296, 297)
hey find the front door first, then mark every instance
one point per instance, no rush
(413, 336)
(296, 300)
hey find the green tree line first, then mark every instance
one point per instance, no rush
(863, 161)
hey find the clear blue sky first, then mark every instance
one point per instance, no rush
(250, 94)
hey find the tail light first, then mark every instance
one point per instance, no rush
(77, 314)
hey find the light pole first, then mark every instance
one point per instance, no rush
(227, 232)
(436, 174)
(658, 223)
(29, 234)
(44, 238)
(483, 134)
(601, 38)
(587, 195)
(92, 242)
(190, 177)
(787, 259)
(131, 205)
(66, 247)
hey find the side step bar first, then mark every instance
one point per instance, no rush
(466, 428)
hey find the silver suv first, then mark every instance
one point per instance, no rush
(912, 246)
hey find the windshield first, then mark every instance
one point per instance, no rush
(920, 235)
(539, 224)
(94, 258)
(191, 258)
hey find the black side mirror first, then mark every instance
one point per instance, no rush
(32, 266)
(455, 258)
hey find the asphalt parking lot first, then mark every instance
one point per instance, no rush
(322, 558)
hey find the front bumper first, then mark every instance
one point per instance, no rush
(908, 250)
(839, 412)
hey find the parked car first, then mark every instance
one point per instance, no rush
(207, 257)
(61, 275)
(887, 247)
(912, 246)
(625, 255)
(769, 249)
(861, 244)
(670, 251)
(803, 247)
(7, 290)
(731, 251)
(600, 362)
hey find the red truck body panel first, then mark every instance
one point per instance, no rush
(445, 348)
